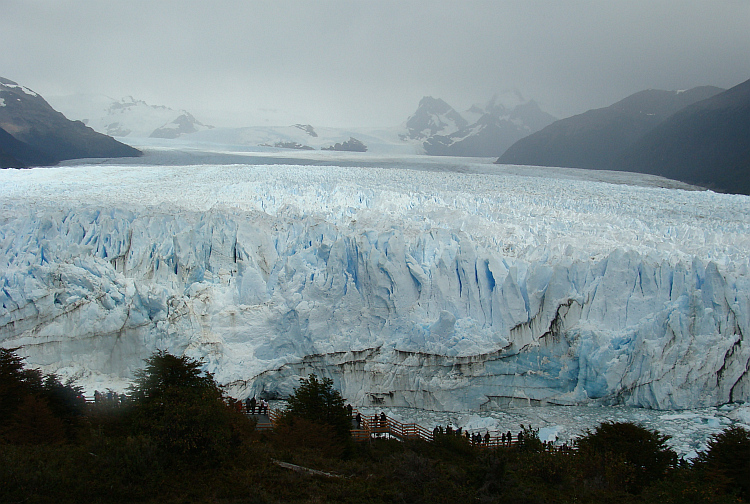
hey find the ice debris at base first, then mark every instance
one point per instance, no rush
(689, 431)
(429, 289)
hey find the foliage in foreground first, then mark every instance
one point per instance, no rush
(183, 411)
(317, 402)
(137, 453)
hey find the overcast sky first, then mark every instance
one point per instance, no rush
(368, 63)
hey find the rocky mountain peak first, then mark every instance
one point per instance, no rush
(433, 116)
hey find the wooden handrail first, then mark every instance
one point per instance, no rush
(372, 425)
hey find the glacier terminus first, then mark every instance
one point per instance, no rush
(451, 287)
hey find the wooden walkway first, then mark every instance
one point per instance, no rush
(383, 427)
(370, 427)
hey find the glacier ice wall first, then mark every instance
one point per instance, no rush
(430, 289)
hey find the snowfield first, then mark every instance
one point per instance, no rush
(449, 285)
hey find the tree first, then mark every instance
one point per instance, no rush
(35, 408)
(530, 441)
(16, 382)
(729, 455)
(318, 402)
(183, 409)
(627, 455)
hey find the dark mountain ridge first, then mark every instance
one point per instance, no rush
(706, 143)
(35, 134)
(594, 139)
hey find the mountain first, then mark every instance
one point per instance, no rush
(433, 117)
(128, 117)
(183, 124)
(707, 143)
(17, 154)
(483, 130)
(594, 139)
(33, 133)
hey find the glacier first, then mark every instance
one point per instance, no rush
(462, 286)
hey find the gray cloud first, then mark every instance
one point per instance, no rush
(352, 62)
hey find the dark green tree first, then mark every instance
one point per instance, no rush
(318, 402)
(728, 455)
(35, 408)
(183, 410)
(16, 382)
(530, 441)
(627, 455)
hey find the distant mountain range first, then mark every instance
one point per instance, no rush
(128, 117)
(32, 133)
(483, 130)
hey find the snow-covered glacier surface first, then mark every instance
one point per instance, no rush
(467, 288)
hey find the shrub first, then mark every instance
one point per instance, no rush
(318, 402)
(35, 408)
(183, 410)
(624, 455)
(729, 455)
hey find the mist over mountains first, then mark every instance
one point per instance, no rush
(700, 136)
(32, 133)
(482, 131)
(128, 117)
(707, 143)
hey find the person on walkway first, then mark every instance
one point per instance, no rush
(349, 409)
(509, 438)
(358, 419)
(383, 420)
(250, 405)
(487, 438)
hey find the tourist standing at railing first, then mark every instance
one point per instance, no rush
(250, 405)
(383, 420)
(358, 419)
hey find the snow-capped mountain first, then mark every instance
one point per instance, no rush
(433, 117)
(32, 133)
(127, 117)
(459, 287)
(482, 131)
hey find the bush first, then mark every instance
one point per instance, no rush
(728, 455)
(530, 441)
(183, 410)
(318, 402)
(622, 455)
(35, 408)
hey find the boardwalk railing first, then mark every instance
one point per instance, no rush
(384, 426)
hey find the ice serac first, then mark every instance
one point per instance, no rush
(437, 316)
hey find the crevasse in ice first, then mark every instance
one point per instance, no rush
(431, 289)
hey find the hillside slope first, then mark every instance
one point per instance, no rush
(29, 119)
(706, 144)
(594, 139)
